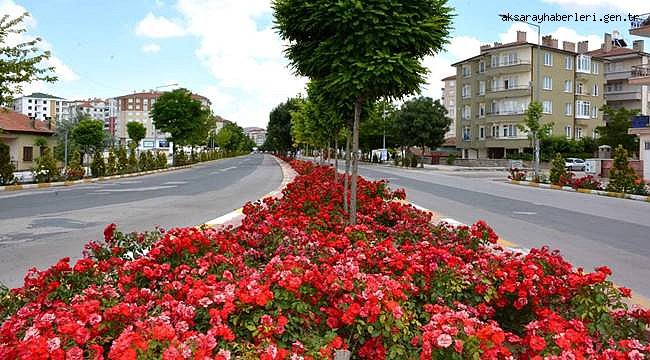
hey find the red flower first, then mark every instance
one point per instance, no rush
(537, 343)
(108, 232)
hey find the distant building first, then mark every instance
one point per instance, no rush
(42, 106)
(219, 123)
(449, 102)
(19, 132)
(137, 107)
(98, 109)
(258, 135)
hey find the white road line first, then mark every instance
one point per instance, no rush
(524, 213)
(150, 188)
(175, 183)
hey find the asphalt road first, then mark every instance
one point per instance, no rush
(589, 230)
(38, 227)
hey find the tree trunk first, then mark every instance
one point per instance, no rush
(346, 180)
(422, 158)
(355, 162)
(336, 160)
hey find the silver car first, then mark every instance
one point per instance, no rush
(574, 164)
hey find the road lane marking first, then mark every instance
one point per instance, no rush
(150, 188)
(175, 183)
(524, 213)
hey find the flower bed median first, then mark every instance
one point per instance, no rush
(295, 282)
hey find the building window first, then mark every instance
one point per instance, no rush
(481, 67)
(579, 133)
(467, 112)
(29, 101)
(567, 132)
(548, 83)
(467, 133)
(481, 110)
(568, 109)
(595, 90)
(130, 100)
(466, 91)
(509, 130)
(568, 62)
(495, 131)
(582, 109)
(647, 145)
(28, 153)
(594, 112)
(481, 88)
(495, 60)
(548, 59)
(481, 132)
(130, 107)
(579, 88)
(594, 68)
(568, 86)
(547, 107)
(29, 107)
(583, 63)
(466, 71)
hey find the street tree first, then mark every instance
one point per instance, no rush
(536, 130)
(363, 51)
(20, 63)
(6, 167)
(183, 117)
(614, 133)
(232, 138)
(89, 134)
(136, 132)
(278, 130)
(422, 122)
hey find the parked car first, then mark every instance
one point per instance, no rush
(575, 164)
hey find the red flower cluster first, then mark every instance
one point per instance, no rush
(294, 281)
(586, 182)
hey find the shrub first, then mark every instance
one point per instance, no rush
(180, 158)
(75, 171)
(111, 163)
(586, 182)
(451, 158)
(98, 166)
(45, 169)
(558, 169)
(147, 162)
(133, 160)
(161, 160)
(6, 167)
(517, 174)
(622, 177)
(122, 161)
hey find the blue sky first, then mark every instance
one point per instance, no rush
(226, 49)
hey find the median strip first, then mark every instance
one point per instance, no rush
(582, 191)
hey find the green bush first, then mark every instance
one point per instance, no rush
(98, 166)
(161, 160)
(133, 160)
(451, 158)
(147, 162)
(622, 177)
(180, 158)
(122, 161)
(558, 169)
(6, 167)
(75, 171)
(111, 163)
(45, 169)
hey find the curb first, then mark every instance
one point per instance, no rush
(582, 191)
(235, 217)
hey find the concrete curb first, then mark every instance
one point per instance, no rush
(582, 191)
(235, 217)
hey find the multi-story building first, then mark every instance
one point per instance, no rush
(98, 109)
(496, 87)
(258, 135)
(640, 75)
(42, 106)
(619, 92)
(137, 107)
(449, 102)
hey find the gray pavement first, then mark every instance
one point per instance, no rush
(589, 230)
(38, 227)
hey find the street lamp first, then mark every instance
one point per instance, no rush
(538, 92)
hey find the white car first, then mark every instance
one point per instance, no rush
(574, 164)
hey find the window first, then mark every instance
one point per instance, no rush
(466, 71)
(547, 107)
(481, 88)
(481, 110)
(495, 131)
(568, 109)
(594, 112)
(509, 130)
(568, 86)
(29, 101)
(130, 100)
(567, 132)
(44, 101)
(466, 91)
(548, 59)
(579, 133)
(495, 60)
(130, 107)
(579, 88)
(595, 93)
(29, 114)
(582, 109)
(28, 153)
(467, 112)
(29, 107)
(568, 62)
(481, 67)
(583, 63)
(594, 68)
(137, 100)
(481, 132)
(647, 145)
(467, 133)
(548, 83)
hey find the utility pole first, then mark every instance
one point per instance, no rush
(65, 152)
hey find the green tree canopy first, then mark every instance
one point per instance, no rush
(278, 130)
(136, 131)
(232, 138)
(89, 134)
(184, 118)
(379, 121)
(614, 133)
(19, 63)
(422, 122)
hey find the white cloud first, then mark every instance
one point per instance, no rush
(624, 6)
(158, 27)
(150, 48)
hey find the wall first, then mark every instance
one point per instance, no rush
(606, 166)
(16, 148)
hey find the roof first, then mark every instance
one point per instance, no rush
(617, 51)
(156, 94)
(450, 142)
(253, 128)
(452, 77)
(43, 96)
(11, 121)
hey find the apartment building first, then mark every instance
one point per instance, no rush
(258, 135)
(104, 110)
(42, 106)
(137, 107)
(621, 60)
(495, 88)
(449, 102)
(640, 75)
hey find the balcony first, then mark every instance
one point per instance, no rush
(509, 67)
(617, 75)
(496, 116)
(640, 26)
(640, 74)
(510, 91)
(625, 95)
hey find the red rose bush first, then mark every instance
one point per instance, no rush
(294, 281)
